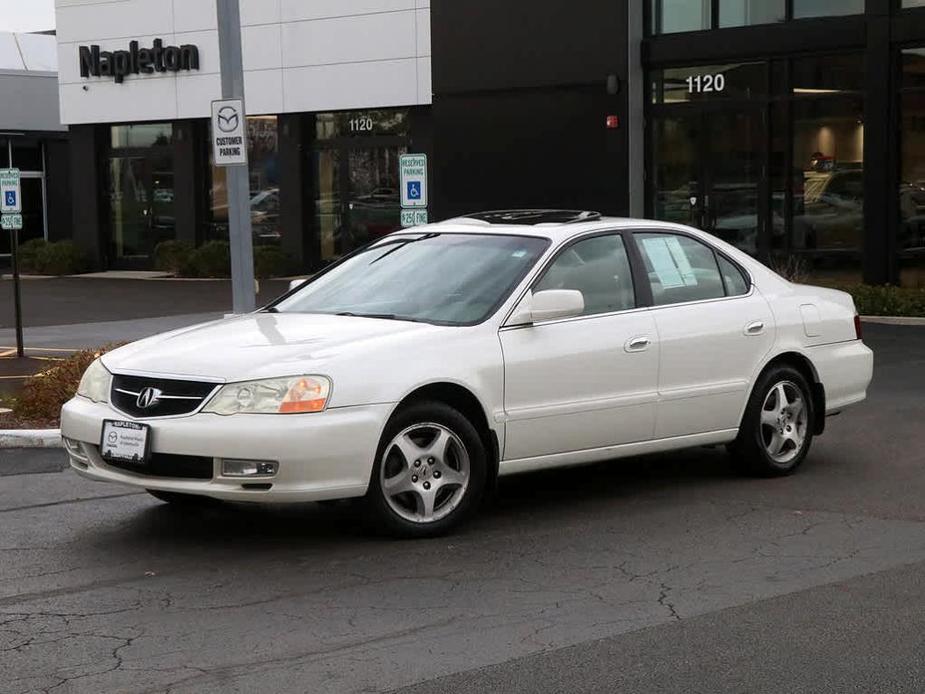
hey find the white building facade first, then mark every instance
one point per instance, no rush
(334, 91)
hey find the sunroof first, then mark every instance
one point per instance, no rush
(532, 217)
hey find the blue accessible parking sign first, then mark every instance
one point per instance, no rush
(10, 198)
(414, 190)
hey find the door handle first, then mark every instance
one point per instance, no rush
(755, 328)
(637, 344)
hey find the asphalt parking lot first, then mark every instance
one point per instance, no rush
(663, 574)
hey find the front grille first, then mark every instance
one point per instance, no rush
(184, 467)
(175, 397)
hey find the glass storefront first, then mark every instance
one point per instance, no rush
(911, 241)
(675, 16)
(671, 16)
(737, 13)
(263, 168)
(140, 191)
(774, 168)
(355, 169)
(826, 8)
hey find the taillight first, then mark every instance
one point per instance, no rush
(857, 327)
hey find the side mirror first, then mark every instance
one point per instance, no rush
(547, 305)
(295, 284)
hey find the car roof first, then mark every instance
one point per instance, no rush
(567, 224)
(557, 225)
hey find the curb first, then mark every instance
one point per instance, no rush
(893, 320)
(30, 438)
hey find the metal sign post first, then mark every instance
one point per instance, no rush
(234, 144)
(17, 295)
(11, 220)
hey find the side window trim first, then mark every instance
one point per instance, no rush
(746, 275)
(639, 270)
(628, 247)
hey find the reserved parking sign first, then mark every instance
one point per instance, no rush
(10, 192)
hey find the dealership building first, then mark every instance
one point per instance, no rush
(32, 138)
(794, 129)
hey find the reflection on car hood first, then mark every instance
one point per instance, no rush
(261, 345)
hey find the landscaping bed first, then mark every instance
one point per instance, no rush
(37, 405)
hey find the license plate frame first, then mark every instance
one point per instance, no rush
(119, 442)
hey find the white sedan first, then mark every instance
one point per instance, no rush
(416, 371)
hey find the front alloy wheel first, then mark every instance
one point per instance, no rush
(424, 473)
(430, 471)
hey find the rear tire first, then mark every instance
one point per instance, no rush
(429, 474)
(776, 433)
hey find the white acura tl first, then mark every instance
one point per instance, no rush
(416, 371)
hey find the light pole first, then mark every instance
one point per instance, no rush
(240, 235)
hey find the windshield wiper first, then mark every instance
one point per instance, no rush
(404, 244)
(380, 316)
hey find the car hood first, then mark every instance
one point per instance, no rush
(261, 345)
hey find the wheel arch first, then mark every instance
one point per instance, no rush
(464, 400)
(805, 366)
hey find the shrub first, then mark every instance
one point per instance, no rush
(28, 254)
(887, 300)
(42, 396)
(60, 258)
(271, 261)
(173, 256)
(212, 259)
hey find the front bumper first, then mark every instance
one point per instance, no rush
(321, 456)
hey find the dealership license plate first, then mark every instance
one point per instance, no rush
(125, 442)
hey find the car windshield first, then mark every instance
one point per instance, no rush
(448, 279)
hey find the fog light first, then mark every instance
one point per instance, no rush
(75, 450)
(249, 468)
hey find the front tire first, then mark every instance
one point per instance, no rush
(777, 429)
(429, 473)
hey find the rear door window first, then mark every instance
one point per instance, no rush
(680, 269)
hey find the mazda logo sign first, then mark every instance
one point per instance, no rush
(228, 119)
(148, 398)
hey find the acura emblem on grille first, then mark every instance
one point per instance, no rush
(148, 398)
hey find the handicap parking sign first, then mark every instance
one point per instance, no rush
(10, 198)
(413, 180)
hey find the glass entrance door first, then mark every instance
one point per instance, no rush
(141, 193)
(357, 198)
(141, 199)
(708, 171)
(355, 169)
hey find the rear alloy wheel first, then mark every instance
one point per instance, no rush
(429, 472)
(777, 431)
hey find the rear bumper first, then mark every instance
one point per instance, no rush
(321, 456)
(845, 370)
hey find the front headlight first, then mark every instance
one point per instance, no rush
(294, 395)
(95, 383)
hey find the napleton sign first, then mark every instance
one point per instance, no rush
(136, 60)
